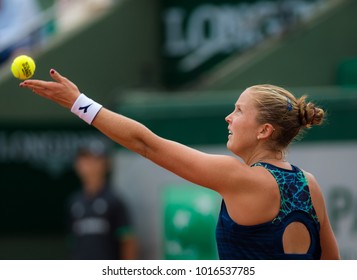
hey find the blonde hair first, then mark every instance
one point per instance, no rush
(287, 114)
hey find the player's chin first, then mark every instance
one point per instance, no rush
(229, 145)
(232, 146)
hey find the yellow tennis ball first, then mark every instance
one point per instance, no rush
(23, 67)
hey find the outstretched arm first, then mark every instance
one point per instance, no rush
(212, 171)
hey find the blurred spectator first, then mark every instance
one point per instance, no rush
(98, 219)
(72, 13)
(17, 18)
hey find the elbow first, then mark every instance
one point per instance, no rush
(140, 147)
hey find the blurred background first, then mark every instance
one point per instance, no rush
(178, 67)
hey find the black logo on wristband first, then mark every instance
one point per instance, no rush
(85, 108)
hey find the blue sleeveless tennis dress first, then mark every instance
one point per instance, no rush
(265, 241)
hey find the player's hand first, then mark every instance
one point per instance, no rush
(61, 90)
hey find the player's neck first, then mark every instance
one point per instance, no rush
(269, 157)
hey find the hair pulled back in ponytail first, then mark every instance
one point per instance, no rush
(289, 115)
(309, 114)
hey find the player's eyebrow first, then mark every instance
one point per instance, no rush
(238, 106)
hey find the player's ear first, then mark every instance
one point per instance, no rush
(265, 131)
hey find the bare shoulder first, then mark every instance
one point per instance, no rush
(242, 178)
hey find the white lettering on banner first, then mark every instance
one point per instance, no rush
(49, 150)
(209, 30)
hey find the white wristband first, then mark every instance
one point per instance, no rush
(86, 108)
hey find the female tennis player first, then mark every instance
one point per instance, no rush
(270, 209)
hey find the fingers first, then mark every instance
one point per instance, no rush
(31, 83)
(60, 89)
(57, 76)
(35, 84)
